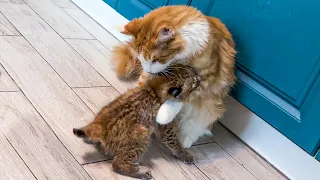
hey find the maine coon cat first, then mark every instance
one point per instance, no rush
(182, 34)
(124, 126)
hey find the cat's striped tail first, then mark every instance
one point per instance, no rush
(125, 61)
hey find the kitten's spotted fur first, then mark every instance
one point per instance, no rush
(124, 127)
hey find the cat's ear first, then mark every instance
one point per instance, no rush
(175, 91)
(165, 34)
(132, 28)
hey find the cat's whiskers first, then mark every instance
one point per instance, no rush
(170, 73)
(166, 75)
(135, 71)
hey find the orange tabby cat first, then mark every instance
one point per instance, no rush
(182, 34)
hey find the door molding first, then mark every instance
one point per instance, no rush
(259, 135)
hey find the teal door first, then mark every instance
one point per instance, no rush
(278, 44)
(137, 8)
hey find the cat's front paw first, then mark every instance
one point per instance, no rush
(186, 142)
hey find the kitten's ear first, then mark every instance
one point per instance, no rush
(132, 28)
(165, 34)
(79, 132)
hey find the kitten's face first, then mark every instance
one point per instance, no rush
(155, 42)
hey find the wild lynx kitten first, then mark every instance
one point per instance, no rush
(124, 127)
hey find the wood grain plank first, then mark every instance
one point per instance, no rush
(58, 53)
(6, 28)
(217, 164)
(203, 140)
(56, 102)
(100, 58)
(59, 20)
(6, 83)
(165, 166)
(97, 97)
(244, 155)
(93, 27)
(12, 166)
(35, 142)
(162, 163)
(103, 170)
(13, 1)
(65, 4)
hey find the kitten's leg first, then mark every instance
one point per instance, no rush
(168, 136)
(127, 159)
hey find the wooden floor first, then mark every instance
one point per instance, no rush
(55, 75)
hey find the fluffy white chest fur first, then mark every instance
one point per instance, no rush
(196, 35)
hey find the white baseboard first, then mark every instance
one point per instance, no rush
(259, 135)
(270, 144)
(105, 15)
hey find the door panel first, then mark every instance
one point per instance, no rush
(132, 9)
(278, 65)
(154, 3)
(178, 2)
(137, 8)
(299, 125)
(111, 3)
(318, 156)
(276, 39)
(204, 5)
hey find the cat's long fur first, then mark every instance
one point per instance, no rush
(182, 34)
(124, 126)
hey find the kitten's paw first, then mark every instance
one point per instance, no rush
(145, 175)
(186, 157)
